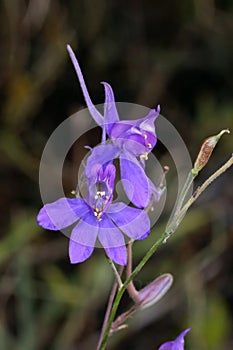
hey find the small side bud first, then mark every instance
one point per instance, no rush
(206, 150)
(152, 293)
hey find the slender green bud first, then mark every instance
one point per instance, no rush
(206, 150)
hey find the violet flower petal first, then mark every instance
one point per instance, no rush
(177, 344)
(147, 123)
(133, 222)
(86, 231)
(78, 252)
(137, 136)
(110, 112)
(61, 213)
(134, 144)
(96, 115)
(100, 155)
(120, 128)
(135, 182)
(118, 255)
(112, 241)
(83, 238)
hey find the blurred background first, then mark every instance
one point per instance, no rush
(176, 53)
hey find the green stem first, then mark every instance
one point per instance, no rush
(109, 308)
(166, 234)
(121, 291)
(184, 191)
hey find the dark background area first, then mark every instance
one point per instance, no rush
(176, 53)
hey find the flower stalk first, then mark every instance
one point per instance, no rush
(163, 239)
(117, 275)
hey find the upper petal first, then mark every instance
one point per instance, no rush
(96, 115)
(119, 128)
(113, 241)
(61, 213)
(135, 182)
(133, 222)
(100, 155)
(110, 112)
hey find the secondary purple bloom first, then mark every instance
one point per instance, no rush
(177, 344)
(97, 218)
(132, 139)
(136, 136)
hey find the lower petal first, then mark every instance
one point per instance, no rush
(112, 241)
(86, 231)
(135, 223)
(78, 252)
(118, 255)
(83, 238)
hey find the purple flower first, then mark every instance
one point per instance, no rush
(131, 139)
(137, 136)
(177, 344)
(97, 218)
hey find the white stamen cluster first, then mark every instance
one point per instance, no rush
(99, 194)
(98, 212)
(144, 156)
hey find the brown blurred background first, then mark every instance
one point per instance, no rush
(176, 53)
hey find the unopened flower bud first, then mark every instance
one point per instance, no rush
(154, 291)
(206, 150)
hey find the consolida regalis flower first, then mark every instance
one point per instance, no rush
(97, 218)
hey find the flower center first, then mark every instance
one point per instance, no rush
(100, 196)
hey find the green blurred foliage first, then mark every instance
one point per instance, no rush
(176, 53)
